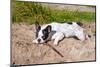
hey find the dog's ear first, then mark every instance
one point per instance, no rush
(48, 28)
(37, 28)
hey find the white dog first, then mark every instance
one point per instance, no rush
(57, 31)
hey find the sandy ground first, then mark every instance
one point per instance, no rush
(25, 52)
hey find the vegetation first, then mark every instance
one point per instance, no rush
(30, 12)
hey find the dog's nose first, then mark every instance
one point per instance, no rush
(39, 40)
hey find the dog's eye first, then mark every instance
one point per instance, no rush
(43, 37)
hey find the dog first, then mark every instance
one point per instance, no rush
(57, 31)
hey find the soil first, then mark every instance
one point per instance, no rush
(25, 52)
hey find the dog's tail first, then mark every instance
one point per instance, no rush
(88, 36)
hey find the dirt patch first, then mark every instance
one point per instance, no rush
(69, 7)
(25, 52)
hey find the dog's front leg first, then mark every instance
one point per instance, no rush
(57, 37)
(35, 41)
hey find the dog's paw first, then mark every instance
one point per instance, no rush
(56, 43)
(34, 41)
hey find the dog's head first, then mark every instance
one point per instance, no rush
(42, 33)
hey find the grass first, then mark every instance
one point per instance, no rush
(30, 12)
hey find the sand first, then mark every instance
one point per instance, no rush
(25, 52)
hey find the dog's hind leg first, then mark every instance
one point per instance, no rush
(80, 35)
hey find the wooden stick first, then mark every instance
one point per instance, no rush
(55, 49)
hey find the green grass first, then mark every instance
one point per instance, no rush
(30, 12)
(64, 16)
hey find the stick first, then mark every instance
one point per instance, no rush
(55, 49)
